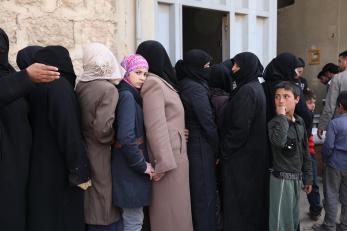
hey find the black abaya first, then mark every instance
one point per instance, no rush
(15, 142)
(58, 158)
(245, 151)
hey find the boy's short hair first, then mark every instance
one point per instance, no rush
(309, 95)
(320, 74)
(342, 99)
(330, 67)
(289, 86)
(343, 54)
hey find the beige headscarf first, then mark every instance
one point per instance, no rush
(100, 63)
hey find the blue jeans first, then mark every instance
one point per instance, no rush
(112, 227)
(132, 219)
(314, 196)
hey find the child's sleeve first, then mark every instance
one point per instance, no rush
(328, 146)
(307, 162)
(278, 129)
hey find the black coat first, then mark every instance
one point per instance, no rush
(58, 158)
(15, 143)
(131, 187)
(245, 160)
(203, 146)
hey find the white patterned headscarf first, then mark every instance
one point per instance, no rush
(100, 63)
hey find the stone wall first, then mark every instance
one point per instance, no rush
(71, 23)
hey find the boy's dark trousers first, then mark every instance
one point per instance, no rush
(314, 196)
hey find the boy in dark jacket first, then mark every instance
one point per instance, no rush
(291, 160)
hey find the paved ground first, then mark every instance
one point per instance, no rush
(306, 222)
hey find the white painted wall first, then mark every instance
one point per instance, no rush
(253, 25)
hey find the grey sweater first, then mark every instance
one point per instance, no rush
(337, 85)
(289, 146)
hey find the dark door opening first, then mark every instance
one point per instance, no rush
(207, 30)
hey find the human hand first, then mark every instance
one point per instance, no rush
(186, 134)
(149, 170)
(41, 73)
(307, 189)
(85, 185)
(281, 110)
(320, 133)
(158, 176)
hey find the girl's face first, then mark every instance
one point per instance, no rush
(137, 77)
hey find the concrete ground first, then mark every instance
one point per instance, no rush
(305, 222)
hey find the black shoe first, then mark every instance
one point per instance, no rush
(314, 217)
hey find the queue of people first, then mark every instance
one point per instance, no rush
(142, 145)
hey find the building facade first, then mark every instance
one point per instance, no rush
(221, 27)
(313, 24)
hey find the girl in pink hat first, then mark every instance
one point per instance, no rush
(131, 172)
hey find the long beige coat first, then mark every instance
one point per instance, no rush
(164, 122)
(98, 100)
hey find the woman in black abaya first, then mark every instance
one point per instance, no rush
(193, 71)
(244, 149)
(58, 157)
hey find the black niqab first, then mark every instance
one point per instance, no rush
(5, 66)
(25, 57)
(59, 57)
(158, 60)
(192, 66)
(250, 68)
(220, 77)
(282, 68)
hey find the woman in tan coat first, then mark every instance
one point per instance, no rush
(98, 99)
(170, 209)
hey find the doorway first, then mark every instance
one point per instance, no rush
(207, 30)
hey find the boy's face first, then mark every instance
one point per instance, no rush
(285, 98)
(311, 104)
(342, 63)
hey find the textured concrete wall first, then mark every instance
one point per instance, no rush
(313, 24)
(74, 23)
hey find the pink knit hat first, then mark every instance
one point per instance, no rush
(133, 62)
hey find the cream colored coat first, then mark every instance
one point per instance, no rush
(164, 122)
(98, 100)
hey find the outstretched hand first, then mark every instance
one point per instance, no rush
(41, 73)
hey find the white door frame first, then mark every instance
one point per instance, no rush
(231, 8)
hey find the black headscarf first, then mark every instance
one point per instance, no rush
(25, 57)
(192, 66)
(220, 78)
(158, 60)
(5, 66)
(250, 68)
(282, 68)
(59, 57)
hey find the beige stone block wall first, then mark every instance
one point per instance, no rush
(75, 23)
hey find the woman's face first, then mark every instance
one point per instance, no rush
(207, 65)
(137, 77)
(235, 68)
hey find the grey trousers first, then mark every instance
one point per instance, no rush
(334, 190)
(132, 219)
(284, 204)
